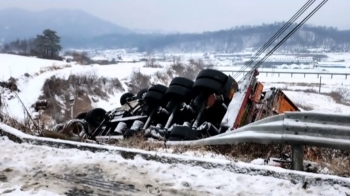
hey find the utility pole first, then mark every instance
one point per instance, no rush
(72, 102)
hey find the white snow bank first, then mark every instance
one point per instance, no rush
(15, 65)
(319, 102)
(36, 171)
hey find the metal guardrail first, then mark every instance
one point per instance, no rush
(294, 128)
(291, 73)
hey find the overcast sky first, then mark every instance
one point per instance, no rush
(194, 15)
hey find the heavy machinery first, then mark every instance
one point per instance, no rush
(187, 110)
(184, 104)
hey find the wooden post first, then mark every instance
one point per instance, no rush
(319, 88)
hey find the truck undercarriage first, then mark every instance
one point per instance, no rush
(185, 110)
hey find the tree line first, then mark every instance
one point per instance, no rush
(46, 45)
(229, 40)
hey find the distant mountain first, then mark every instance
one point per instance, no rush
(229, 40)
(79, 29)
(18, 23)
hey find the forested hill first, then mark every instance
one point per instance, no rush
(234, 39)
(229, 40)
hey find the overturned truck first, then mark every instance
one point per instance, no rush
(185, 110)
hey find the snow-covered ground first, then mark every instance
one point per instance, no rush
(17, 66)
(36, 170)
(225, 59)
(41, 170)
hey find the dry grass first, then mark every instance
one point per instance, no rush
(28, 124)
(53, 68)
(337, 161)
(9, 91)
(304, 107)
(151, 63)
(189, 70)
(301, 84)
(58, 90)
(139, 81)
(243, 152)
(177, 68)
(161, 77)
(10, 84)
(341, 95)
(25, 126)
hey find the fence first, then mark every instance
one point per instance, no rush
(291, 73)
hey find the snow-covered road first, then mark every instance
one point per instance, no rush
(36, 170)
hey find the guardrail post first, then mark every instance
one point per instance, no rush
(332, 76)
(297, 157)
(346, 76)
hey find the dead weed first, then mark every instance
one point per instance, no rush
(177, 68)
(57, 92)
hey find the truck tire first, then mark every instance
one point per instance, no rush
(124, 97)
(183, 132)
(95, 116)
(81, 115)
(158, 88)
(155, 95)
(212, 74)
(154, 98)
(180, 89)
(181, 81)
(179, 93)
(140, 95)
(58, 128)
(207, 85)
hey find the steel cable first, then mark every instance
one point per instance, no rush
(286, 38)
(277, 34)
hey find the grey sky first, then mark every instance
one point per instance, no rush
(194, 15)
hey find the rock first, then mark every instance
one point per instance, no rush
(3, 178)
(8, 191)
(8, 170)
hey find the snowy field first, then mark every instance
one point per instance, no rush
(39, 171)
(39, 70)
(16, 66)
